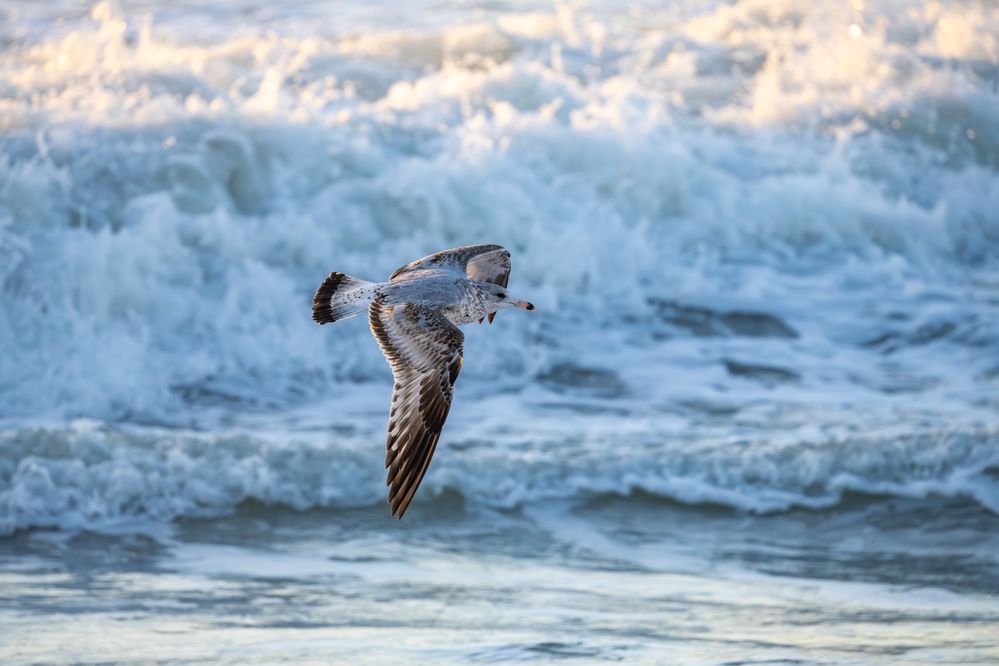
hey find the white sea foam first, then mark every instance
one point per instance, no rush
(756, 209)
(89, 476)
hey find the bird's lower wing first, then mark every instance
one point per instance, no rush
(424, 350)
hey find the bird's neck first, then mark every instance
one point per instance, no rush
(471, 305)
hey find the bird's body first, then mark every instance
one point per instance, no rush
(415, 318)
(459, 299)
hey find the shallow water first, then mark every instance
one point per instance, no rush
(636, 580)
(754, 419)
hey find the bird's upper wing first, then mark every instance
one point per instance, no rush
(424, 349)
(485, 263)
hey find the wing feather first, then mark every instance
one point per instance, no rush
(485, 263)
(424, 350)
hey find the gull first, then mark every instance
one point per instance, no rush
(415, 318)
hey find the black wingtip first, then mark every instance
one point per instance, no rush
(398, 508)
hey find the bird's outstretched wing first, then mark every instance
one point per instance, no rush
(424, 350)
(485, 263)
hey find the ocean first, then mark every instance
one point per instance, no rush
(754, 419)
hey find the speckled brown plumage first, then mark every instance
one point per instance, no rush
(424, 350)
(415, 317)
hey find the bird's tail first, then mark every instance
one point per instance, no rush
(341, 296)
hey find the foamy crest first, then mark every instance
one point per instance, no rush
(782, 204)
(85, 476)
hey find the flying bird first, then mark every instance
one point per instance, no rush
(415, 318)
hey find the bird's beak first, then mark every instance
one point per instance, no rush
(524, 304)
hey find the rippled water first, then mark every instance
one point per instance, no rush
(754, 417)
(636, 580)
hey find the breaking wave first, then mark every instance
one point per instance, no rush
(172, 193)
(770, 220)
(90, 476)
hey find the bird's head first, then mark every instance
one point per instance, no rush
(497, 299)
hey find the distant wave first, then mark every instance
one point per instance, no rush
(171, 190)
(761, 236)
(90, 476)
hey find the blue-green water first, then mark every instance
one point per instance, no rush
(753, 419)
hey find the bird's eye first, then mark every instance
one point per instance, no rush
(500, 295)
